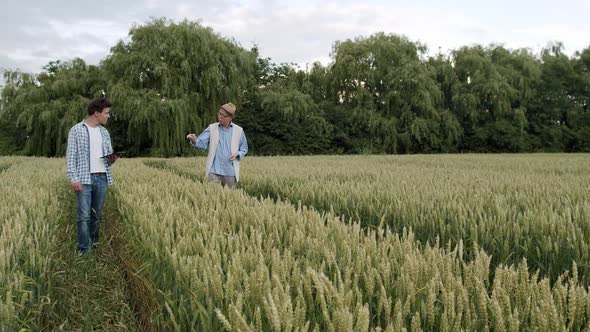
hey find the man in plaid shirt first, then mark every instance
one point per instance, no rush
(89, 157)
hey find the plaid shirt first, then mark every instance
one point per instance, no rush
(78, 154)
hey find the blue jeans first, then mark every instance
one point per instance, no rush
(90, 202)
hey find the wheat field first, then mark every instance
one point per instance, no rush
(320, 243)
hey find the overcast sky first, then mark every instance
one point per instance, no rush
(32, 33)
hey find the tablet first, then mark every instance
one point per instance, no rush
(119, 153)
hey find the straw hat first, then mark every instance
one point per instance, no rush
(229, 108)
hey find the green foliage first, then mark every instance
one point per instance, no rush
(38, 111)
(558, 119)
(386, 78)
(362, 131)
(285, 122)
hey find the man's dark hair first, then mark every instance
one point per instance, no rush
(97, 105)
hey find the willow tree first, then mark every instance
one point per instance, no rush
(582, 97)
(316, 83)
(169, 79)
(491, 97)
(286, 121)
(560, 115)
(522, 71)
(12, 139)
(39, 109)
(386, 74)
(451, 131)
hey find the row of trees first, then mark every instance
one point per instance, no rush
(379, 94)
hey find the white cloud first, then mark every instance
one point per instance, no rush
(104, 30)
(537, 37)
(301, 32)
(305, 34)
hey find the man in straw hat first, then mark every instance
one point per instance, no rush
(227, 146)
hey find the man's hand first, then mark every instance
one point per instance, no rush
(113, 157)
(233, 157)
(77, 186)
(192, 138)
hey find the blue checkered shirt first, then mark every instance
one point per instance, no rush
(78, 154)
